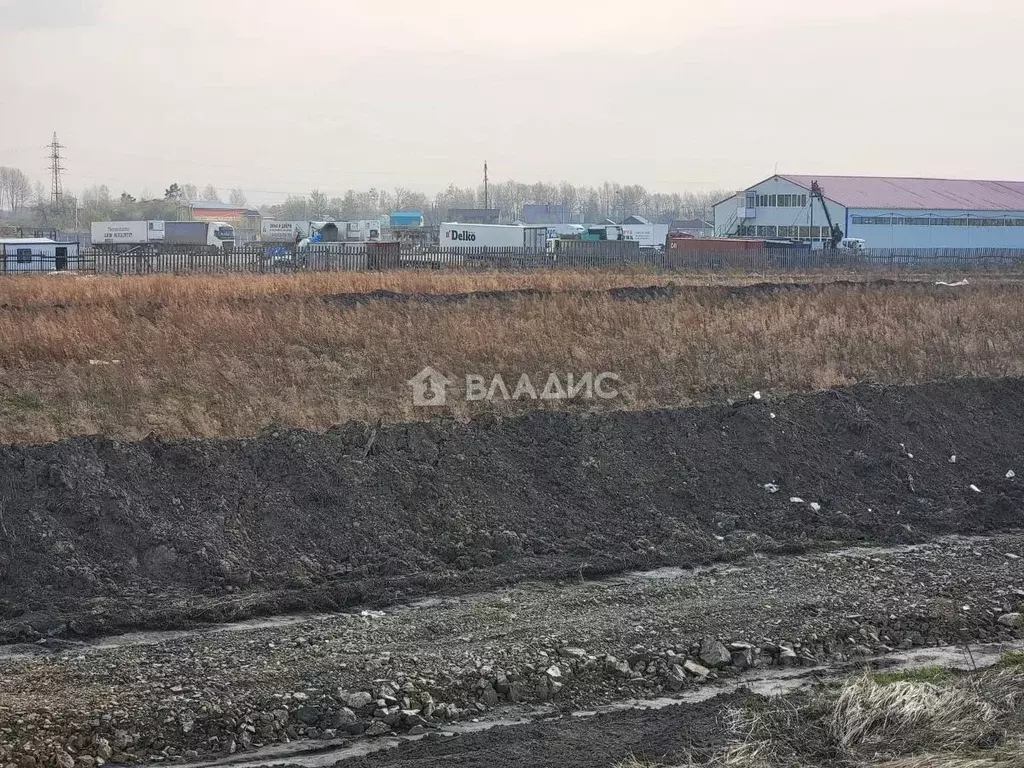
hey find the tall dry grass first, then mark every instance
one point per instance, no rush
(195, 360)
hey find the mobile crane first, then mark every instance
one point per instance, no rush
(836, 232)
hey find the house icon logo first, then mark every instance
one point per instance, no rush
(430, 387)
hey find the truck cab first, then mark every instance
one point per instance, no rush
(221, 235)
(855, 244)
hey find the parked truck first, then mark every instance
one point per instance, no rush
(479, 236)
(161, 236)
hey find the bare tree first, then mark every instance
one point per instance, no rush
(189, 193)
(318, 204)
(15, 189)
(4, 174)
(238, 198)
(210, 194)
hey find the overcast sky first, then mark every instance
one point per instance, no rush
(279, 97)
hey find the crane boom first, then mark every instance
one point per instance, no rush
(835, 231)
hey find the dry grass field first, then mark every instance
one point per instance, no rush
(220, 356)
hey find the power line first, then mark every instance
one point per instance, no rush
(56, 187)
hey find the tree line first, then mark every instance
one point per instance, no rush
(583, 203)
(31, 206)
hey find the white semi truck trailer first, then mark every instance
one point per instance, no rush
(479, 236)
(161, 236)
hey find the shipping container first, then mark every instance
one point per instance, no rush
(272, 231)
(648, 235)
(713, 245)
(713, 252)
(471, 236)
(362, 231)
(406, 219)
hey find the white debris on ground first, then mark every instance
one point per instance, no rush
(957, 284)
(952, 459)
(771, 487)
(976, 489)
(757, 395)
(816, 506)
(796, 500)
(1010, 475)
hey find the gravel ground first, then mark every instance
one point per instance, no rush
(183, 696)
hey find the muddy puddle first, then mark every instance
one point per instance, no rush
(769, 682)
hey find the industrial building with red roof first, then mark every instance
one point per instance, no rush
(885, 212)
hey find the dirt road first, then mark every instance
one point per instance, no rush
(533, 649)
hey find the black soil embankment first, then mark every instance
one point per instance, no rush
(622, 293)
(97, 535)
(668, 291)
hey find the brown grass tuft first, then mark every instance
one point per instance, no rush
(968, 722)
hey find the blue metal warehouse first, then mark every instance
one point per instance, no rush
(884, 212)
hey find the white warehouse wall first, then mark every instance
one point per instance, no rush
(788, 216)
(937, 229)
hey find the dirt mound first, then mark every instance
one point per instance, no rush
(622, 293)
(97, 534)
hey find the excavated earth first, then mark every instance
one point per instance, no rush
(98, 535)
(528, 568)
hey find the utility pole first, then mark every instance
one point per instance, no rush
(56, 187)
(486, 196)
(811, 228)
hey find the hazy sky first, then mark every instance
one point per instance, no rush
(277, 97)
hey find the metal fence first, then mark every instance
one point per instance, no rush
(769, 259)
(263, 259)
(10, 265)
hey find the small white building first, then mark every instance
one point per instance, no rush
(885, 212)
(37, 254)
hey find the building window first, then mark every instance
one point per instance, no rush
(751, 200)
(24, 255)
